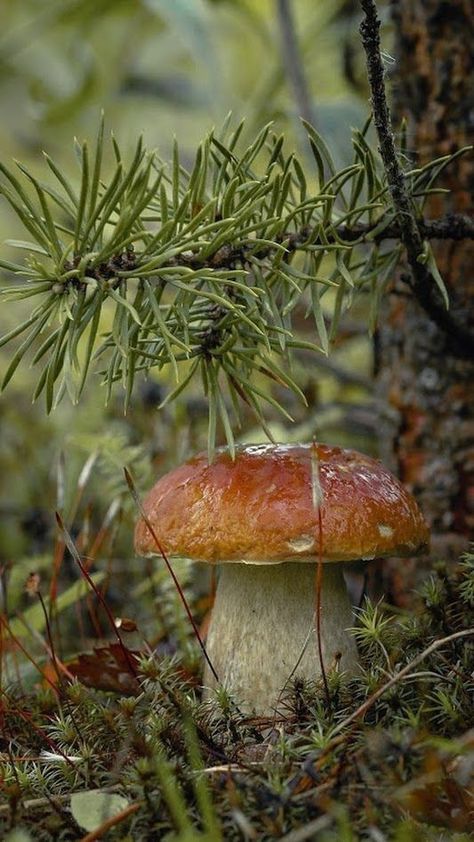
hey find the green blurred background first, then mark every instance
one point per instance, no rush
(162, 68)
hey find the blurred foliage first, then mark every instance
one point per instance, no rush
(164, 69)
(171, 67)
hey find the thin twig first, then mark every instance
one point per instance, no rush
(317, 494)
(449, 227)
(423, 284)
(165, 558)
(74, 553)
(230, 767)
(452, 226)
(365, 706)
(350, 721)
(311, 631)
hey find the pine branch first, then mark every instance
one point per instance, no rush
(201, 271)
(450, 227)
(426, 283)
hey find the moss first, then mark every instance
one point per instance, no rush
(399, 769)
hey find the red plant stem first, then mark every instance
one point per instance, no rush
(4, 624)
(57, 665)
(182, 597)
(317, 502)
(49, 651)
(72, 549)
(104, 532)
(50, 639)
(29, 719)
(319, 584)
(57, 562)
(58, 559)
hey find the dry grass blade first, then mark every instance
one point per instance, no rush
(317, 494)
(165, 558)
(72, 549)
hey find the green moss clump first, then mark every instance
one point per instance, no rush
(386, 755)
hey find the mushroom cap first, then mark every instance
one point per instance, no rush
(259, 509)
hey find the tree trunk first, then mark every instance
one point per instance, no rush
(428, 434)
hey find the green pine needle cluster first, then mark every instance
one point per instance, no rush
(200, 271)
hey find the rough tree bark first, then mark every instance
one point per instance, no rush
(428, 434)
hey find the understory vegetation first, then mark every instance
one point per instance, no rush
(118, 741)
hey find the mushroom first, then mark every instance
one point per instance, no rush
(256, 516)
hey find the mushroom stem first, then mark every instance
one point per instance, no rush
(262, 631)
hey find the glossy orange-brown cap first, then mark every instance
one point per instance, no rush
(260, 508)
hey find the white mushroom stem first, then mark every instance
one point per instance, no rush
(263, 629)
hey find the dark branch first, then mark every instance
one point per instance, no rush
(449, 227)
(411, 233)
